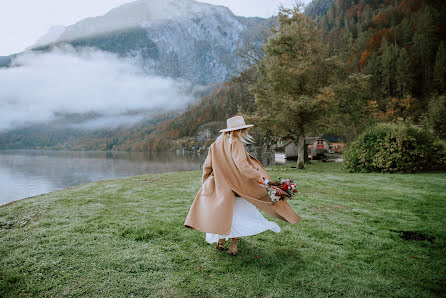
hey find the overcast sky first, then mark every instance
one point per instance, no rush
(22, 22)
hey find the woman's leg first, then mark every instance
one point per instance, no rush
(233, 246)
(221, 244)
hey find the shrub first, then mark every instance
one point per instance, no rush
(394, 148)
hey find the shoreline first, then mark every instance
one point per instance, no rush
(28, 173)
(87, 183)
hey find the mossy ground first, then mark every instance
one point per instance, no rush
(126, 237)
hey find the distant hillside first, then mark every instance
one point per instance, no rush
(400, 44)
(195, 127)
(5, 61)
(318, 8)
(66, 138)
(200, 125)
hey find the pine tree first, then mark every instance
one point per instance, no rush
(406, 30)
(424, 45)
(403, 75)
(440, 68)
(388, 56)
(374, 70)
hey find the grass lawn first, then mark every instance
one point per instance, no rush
(126, 237)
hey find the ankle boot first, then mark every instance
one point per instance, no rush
(233, 247)
(221, 244)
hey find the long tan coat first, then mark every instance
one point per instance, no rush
(229, 170)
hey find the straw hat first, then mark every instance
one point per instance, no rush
(235, 123)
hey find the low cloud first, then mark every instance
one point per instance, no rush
(40, 87)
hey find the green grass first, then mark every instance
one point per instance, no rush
(126, 237)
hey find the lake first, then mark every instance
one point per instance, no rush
(26, 173)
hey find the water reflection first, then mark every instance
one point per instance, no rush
(25, 173)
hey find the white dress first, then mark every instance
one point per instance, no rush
(246, 221)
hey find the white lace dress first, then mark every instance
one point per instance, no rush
(246, 221)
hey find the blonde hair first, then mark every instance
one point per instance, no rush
(242, 134)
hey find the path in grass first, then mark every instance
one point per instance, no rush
(126, 236)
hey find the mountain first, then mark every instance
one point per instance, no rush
(185, 39)
(143, 13)
(181, 39)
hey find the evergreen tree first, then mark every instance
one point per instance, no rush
(349, 115)
(403, 75)
(406, 30)
(424, 41)
(440, 68)
(374, 70)
(388, 56)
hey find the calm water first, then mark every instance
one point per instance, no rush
(26, 173)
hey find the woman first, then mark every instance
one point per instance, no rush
(232, 186)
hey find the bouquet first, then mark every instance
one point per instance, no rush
(285, 189)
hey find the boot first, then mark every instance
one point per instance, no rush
(233, 247)
(221, 244)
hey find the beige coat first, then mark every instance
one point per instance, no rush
(229, 170)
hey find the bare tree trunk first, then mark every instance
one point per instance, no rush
(306, 159)
(300, 151)
(259, 151)
(269, 154)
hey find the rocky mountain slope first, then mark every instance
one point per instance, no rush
(185, 39)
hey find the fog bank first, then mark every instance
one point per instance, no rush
(40, 87)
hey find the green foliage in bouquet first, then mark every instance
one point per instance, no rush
(392, 148)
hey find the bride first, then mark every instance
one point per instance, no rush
(232, 187)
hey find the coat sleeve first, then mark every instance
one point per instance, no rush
(240, 158)
(207, 167)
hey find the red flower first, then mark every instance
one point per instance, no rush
(277, 194)
(294, 190)
(285, 187)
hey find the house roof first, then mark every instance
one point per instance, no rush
(311, 140)
(333, 139)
